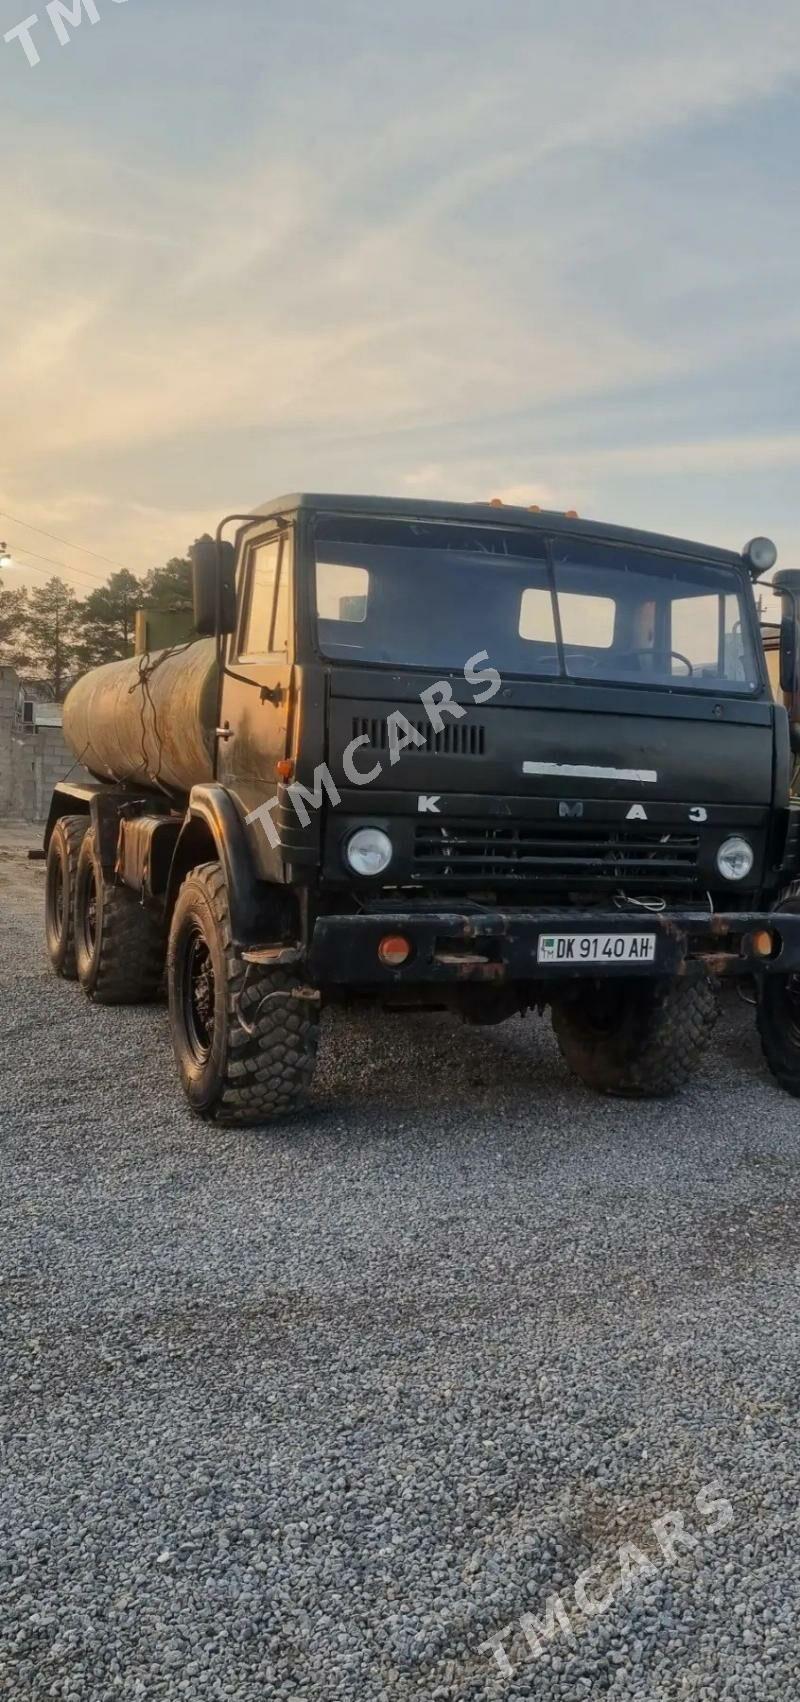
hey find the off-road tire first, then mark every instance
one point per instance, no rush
(119, 946)
(778, 1015)
(636, 1038)
(62, 864)
(244, 1036)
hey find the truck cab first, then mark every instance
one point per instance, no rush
(473, 757)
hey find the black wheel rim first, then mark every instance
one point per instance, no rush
(601, 1007)
(198, 995)
(55, 898)
(89, 911)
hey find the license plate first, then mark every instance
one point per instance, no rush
(596, 948)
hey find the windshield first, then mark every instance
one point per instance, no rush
(429, 595)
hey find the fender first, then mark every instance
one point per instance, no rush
(212, 819)
(70, 798)
(106, 804)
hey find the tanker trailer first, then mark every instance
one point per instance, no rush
(458, 756)
(149, 720)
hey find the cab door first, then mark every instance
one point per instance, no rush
(255, 698)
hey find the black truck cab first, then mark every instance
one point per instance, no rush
(488, 758)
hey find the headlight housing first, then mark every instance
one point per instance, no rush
(368, 851)
(735, 858)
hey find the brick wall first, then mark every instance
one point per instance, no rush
(32, 760)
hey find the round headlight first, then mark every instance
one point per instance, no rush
(761, 554)
(368, 851)
(735, 859)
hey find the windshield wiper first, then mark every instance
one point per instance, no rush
(557, 628)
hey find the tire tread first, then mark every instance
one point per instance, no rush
(267, 1071)
(672, 1031)
(73, 829)
(130, 964)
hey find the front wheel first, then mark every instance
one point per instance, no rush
(635, 1038)
(244, 1035)
(778, 1021)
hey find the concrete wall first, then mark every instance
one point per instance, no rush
(8, 699)
(31, 759)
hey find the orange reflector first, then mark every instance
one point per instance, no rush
(497, 502)
(534, 508)
(571, 514)
(285, 768)
(394, 950)
(761, 943)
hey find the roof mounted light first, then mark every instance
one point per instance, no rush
(760, 554)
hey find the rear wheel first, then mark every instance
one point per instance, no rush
(62, 864)
(119, 946)
(244, 1035)
(635, 1038)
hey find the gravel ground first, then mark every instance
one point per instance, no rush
(311, 1414)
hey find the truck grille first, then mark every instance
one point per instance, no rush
(457, 738)
(469, 853)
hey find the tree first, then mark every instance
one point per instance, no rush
(170, 587)
(14, 650)
(107, 620)
(51, 628)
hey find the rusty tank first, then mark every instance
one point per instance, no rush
(149, 719)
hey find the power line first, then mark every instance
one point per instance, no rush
(20, 549)
(109, 561)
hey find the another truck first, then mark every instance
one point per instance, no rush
(444, 756)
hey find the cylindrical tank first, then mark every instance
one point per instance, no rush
(150, 719)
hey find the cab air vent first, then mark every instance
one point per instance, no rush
(457, 738)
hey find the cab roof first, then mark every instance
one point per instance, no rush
(487, 513)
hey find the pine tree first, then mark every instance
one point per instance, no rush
(14, 649)
(107, 620)
(170, 587)
(51, 629)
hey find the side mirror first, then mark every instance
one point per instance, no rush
(787, 585)
(213, 587)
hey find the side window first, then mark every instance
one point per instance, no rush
(342, 592)
(265, 615)
(585, 620)
(536, 621)
(695, 634)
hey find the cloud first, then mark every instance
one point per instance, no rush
(427, 232)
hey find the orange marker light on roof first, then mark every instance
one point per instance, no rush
(534, 508)
(571, 514)
(497, 502)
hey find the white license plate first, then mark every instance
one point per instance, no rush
(596, 948)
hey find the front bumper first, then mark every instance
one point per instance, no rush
(496, 946)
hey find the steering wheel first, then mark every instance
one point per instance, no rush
(645, 650)
(590, 659)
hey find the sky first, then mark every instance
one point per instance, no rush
(549, 253)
